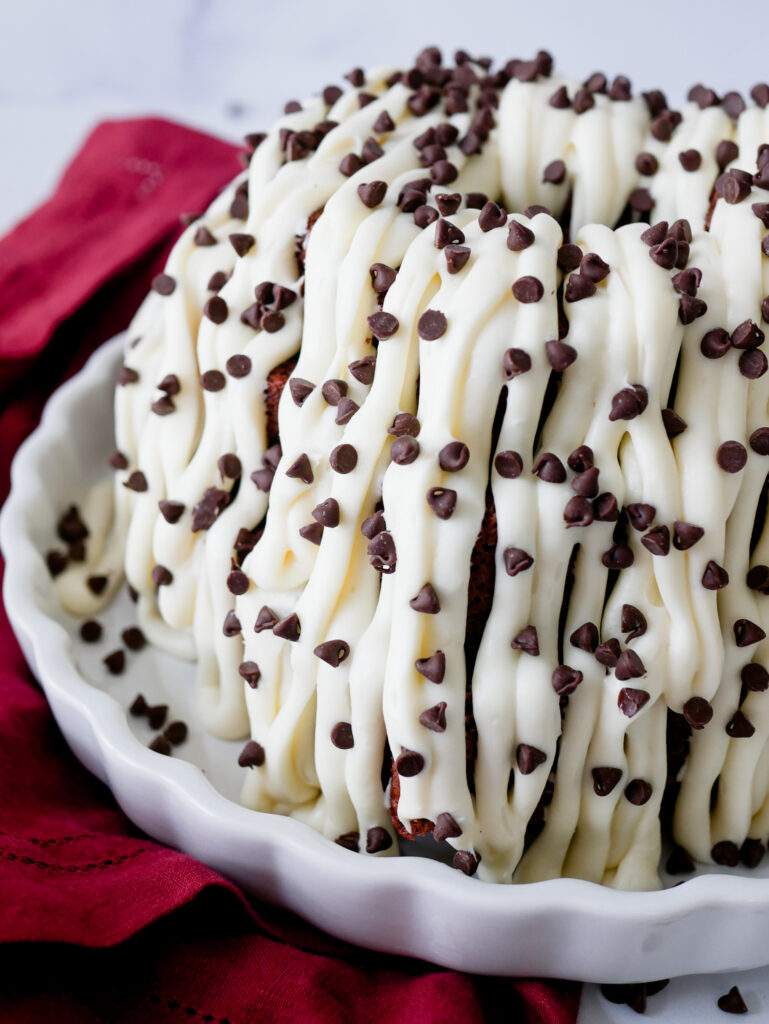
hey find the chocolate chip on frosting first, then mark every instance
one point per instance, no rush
(491, 216)
(161, 577)
(453, 456)
(252, 755)
(409, 763)
(566, 679)
(608, 652)
(431, 325)
(442, 501)
(527, 641)
(288, 628)
(633, 622)
(560, 355)
(327, 513)
(715, 343)
(528, 289)
(434, 718)
(137, 481)
(640, 515)
(548, 467)
(212, 380)
(300, 469)
(163, 284)
(657, 541)
(554, 173)
(585, 637)
(731, 456)
(619, 556)
(638, 792)
(690, 159)
(333, 652)
(313, 532)
(629, 403)
(739, 726)
(426, 601)
(673, 423)
(715, 576)
(732, 1001)
(519, 237)
(646, 164)
(363, 369)
(404, 450)
(433, 667)
(747, 633)
(404, 423)
(250, 673)
(629, 666)
(378, 839)
(343, 458)
(578, 288)
(578, 512)
(372, 193)
(605, 779)
(231, 626)
(508, 464)
(726, 853)
(529, 758)
(514, 362)
(697, 712)
(456, 257)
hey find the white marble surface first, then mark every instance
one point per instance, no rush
(229, 65)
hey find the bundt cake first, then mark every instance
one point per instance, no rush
(441, 447)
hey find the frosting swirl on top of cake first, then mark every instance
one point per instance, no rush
(522, 322)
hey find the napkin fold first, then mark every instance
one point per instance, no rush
(97, 921)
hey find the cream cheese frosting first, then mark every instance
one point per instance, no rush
(515, 310)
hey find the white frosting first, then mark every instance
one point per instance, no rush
(628, 333)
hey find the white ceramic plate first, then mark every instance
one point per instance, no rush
(563, 928)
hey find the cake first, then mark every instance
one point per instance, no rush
(441, 448)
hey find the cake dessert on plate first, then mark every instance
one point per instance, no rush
(441, 448)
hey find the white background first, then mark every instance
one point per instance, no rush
(230, 65)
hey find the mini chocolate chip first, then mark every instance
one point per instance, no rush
(250, 673)
(569, 257)
(333, 390)
(578, 512)
(585, 637)
(139, 706)
(633, 622)
(300, 389)
(409, 763)
(688, 281)
(752, 853)
(90, 631)
(404, 450)
(163, 406)
(697, 712)
(629, 666)
(118, 461)
(491, 216)
(732, 1001)
(432, 668)
(231, 625)
(519, 237)
(554, 173)
(350, 164)
(160, 745)
(747, 335)
(176, 733)
(163, 284)
(447, 233)
(686, 535)
(638, 792)
(372, 194)
(448, 203)
(456, 257)
(237, 582)
(734, 188)
(761, 210)
(673, 423)
(272, 321)
(446, 827)
(690, 159)
(425, 215)
(641, 200)
(759, 441)
(216, 309)
(715, 576)
(453, 457)
(508, 464)
(345, 410)
(97, 584)
(343, 458)
(383, 325)
(747, 633)
(548, 467)
(514, 362)
(442, 501)
(241, 242)
(526, 641)
(690, 308)
(288, 628)
(619, 556)
(252, 755)
(560, 355)
(578, 288)
(115, 662)
(516, 560)
(431, 325)
(565, 680)
(585, 484)
(593, 268)
(715, 343)
(608, 652)
(529, 758)
(382, 277)
(133, 638)
(212, 380)
(605, 779)
(560, 98)
(300, 469)
(426, 601)
(230, 467)
(333, 652)
(377, 839)
(327, 513)
(657, 541)
(629, 403)
(161, 576)
(753, 364)
(434, 718)
(726, 853)
(605, 508)
(731, 456)
(528, 289)
(739, 727)
(266, 619)
(404, 423)
(363, 369)
(646, 164)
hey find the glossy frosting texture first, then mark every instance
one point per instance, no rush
(463, 383)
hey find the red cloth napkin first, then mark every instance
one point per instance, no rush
(99, 922)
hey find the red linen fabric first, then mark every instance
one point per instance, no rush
(98, 922)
